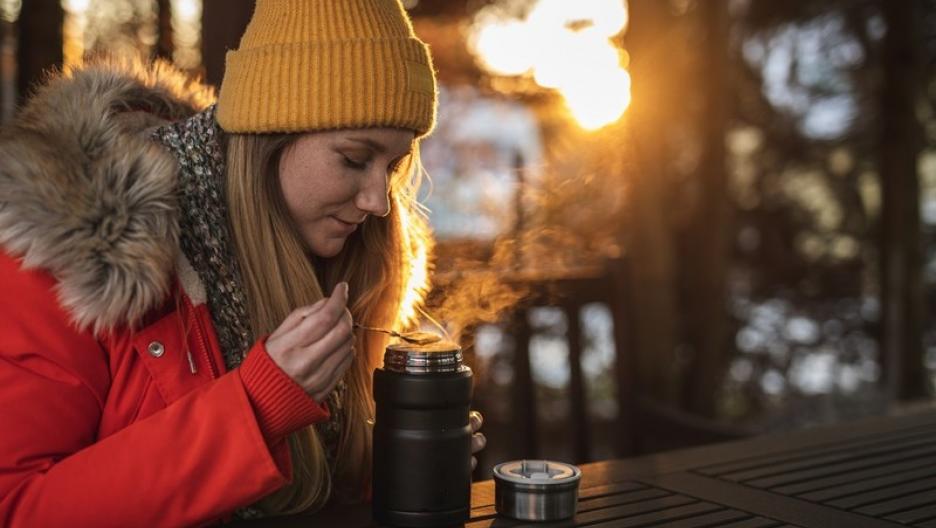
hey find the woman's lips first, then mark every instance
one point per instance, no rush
(345, 227)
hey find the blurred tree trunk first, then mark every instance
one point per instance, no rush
(649, 238)
(7, 70)
(223, 23)
(40, 42)
(708, 233)
(901, 249)
(164, 45)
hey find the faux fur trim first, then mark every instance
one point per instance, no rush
(85, 194)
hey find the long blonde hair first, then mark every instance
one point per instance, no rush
(384, 264)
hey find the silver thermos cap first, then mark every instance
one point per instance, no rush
(429, 358)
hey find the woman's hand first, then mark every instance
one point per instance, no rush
(314, 345)
(478, 441)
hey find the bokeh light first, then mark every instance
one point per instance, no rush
(565, 46)
(186, 33)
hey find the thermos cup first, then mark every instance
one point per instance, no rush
(422, 438)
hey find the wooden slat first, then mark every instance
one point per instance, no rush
(925, 455)
(757, 522)
(665, 517)
(639, 508)
(862, 485)
(788, 456)
(889, 492)
(916, 500)
(502, 522)
(622, 498)
(834, 481)
(777, 444)
(482, 494)
(609, 489)
(763, 503)
(718, 518)
(916, 515)
(633, 498)
(832, 457)
(608, 519)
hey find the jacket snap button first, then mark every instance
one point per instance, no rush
(156, 349)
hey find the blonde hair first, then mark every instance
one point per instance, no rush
(279, 276)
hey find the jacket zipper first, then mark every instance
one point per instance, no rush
(201, 339)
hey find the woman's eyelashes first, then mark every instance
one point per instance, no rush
(353, 163)
(356, 163)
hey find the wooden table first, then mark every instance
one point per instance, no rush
(875, 473)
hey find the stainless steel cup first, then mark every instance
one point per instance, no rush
(536, 490)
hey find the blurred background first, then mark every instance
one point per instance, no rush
(659, 223)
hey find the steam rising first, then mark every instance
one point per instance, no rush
(477, 291)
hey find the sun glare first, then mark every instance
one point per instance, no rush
(565, 46)
(416, 256)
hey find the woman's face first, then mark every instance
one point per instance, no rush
(333, 180)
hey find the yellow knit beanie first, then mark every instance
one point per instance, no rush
(324, 64)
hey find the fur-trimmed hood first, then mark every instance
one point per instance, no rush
(88, 196)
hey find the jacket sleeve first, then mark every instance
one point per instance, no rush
(215, 449)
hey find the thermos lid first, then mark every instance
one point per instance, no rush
(536, 490)
(412, 358)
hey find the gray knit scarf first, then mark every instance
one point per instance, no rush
(196, 143)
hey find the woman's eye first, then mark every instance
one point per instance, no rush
(354, 164)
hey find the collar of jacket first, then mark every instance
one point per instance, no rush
(88, 196)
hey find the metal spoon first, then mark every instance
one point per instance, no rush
(416, 338)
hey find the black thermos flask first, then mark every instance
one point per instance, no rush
(422, 439)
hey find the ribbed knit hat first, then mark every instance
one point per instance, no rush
(324, 64)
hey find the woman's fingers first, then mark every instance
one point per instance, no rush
(475, 420)
(338, 338)
(325, 357)
(318, 324)
(314, 326)
(281, 335)
(313, 344)
(336, 377)
(297, 315)
(478, 441)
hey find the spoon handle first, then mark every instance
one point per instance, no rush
(381, 330)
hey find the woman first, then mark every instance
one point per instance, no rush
(167, 355)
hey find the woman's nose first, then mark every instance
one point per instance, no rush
(374, 198)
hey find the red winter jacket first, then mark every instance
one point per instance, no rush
(115, 407)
